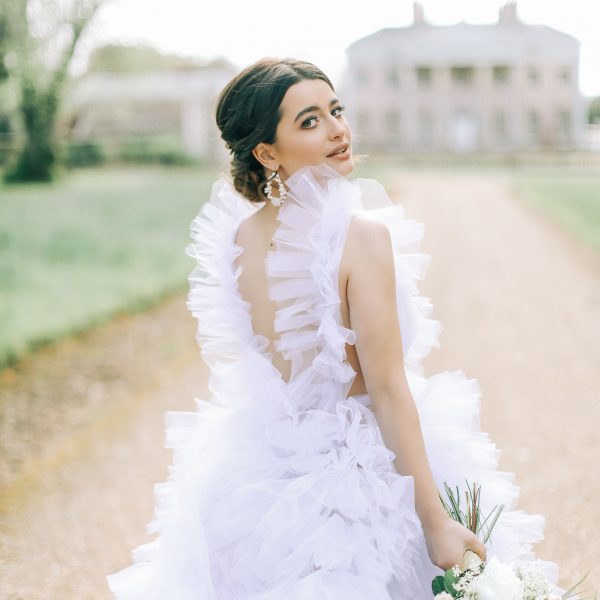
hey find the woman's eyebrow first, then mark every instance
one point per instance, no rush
(311, 108)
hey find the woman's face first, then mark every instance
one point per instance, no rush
(312, 126)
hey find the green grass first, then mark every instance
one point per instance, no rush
(97, 242)
(570, 198)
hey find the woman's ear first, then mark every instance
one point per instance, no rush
(263, 154)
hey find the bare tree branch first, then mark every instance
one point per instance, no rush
(85, 12)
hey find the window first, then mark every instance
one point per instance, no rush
(533, 125)
(564, 74)
(564, 125)
(426, 126)
(392, 122)
(533, 75)
(500, 126)
(393, 77)
(462, 75)
(424, 76)
(500, 74)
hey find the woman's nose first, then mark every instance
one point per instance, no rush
(337, 128)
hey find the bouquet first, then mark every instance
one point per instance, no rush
(476, 579)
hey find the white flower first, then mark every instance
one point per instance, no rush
(443, 596)
(498, 582)
(535, 584)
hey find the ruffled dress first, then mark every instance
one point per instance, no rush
(285, 490)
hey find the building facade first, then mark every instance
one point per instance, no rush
(179, 104)
(465, 87)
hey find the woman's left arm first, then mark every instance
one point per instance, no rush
(373, 316)
(371, 292)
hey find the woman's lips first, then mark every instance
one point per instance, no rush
(342, 155)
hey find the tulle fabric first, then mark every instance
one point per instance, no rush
(286, 489)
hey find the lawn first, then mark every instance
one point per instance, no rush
(570, 198)
(75, 253)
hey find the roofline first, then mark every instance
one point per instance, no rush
(426, 25)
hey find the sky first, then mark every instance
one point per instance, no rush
(316, 30)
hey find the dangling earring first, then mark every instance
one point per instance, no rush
(281, 188)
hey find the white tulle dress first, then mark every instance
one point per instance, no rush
(285, 490)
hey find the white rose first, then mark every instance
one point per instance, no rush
(443, 596)
(498, 582)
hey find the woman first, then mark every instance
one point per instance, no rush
(314, 469)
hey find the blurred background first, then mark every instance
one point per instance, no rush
(481, 117)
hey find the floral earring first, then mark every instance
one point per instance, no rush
(275, 201)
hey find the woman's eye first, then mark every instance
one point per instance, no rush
(305, 123)
(308, 121)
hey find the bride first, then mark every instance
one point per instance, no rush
(314, 468)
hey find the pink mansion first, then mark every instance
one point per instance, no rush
(465, 88)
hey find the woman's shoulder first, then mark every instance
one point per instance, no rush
(368, 236)
(368, 245)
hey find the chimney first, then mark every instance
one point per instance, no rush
(418, 14)
(507, 15)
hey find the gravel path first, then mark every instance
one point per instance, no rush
(82, 422)
(520, 305)
(78, 504)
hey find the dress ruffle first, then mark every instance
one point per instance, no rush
(286, 489)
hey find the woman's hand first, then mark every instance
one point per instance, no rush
(447, 541)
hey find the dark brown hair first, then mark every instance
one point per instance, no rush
(248, 111)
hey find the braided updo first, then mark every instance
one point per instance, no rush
(248, 111)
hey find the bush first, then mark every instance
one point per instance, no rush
(149, 151)
(84, 154)
(594, 111)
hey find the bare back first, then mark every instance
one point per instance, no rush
(255, 237)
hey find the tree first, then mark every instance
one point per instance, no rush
(4, 42)
(45, 36)
(4, 52)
